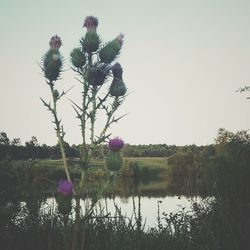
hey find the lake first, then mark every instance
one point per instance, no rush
(151, 197)
(129, 206)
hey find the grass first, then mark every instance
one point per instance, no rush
(151, 162)
(53, 231)
(203, 229)
(145, 164)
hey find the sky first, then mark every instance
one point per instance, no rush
(182, 60)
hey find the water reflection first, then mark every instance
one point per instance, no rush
(129, 207)
(133, 198)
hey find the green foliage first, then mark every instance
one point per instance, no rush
(223, 172)
(33, 150)
(4, 140)
(156, 150)
(229, 169)
(135, 170)
(140, 173)
(183, 172)
(8, 179)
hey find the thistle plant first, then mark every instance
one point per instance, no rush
(95, 64)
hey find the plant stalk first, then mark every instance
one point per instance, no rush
(59, 133)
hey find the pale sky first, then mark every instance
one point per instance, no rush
(182, 61)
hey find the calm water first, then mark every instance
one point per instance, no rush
(129, 206)
(154, 200)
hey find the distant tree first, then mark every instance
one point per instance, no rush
(4, 146)
(4, 140)
(33, 142)
(32, 148)
(16, 142)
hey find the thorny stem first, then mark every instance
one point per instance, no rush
(84, 116)
(110, 113)
(92, 121)
(83, 121)
(59, 132)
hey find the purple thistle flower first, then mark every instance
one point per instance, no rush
(116, 144)
(120, 38)
(65, 187)
(55, 42)
(90, 23)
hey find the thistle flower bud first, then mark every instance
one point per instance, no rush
(91, 42)
(117, 70)
(114, 161)
(117, 88)
(55, 42)
(52, 64)
(78, 59)
(56, 94)
(116, 144)
(111, 50)
(90, 23)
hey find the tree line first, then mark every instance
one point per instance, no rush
(32, 149)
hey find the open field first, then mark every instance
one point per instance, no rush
(143, 162)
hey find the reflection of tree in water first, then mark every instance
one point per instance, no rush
(8, 212)
(64, 207)
(125, 187)
(33, 205)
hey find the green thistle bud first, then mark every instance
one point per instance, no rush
(114, 161)
(56, 94)
(78, 59)
(52, 64)
(118, 88)
(91, 42)
(110, 51)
